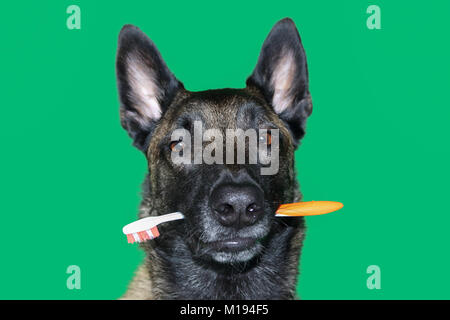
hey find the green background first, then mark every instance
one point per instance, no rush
(377, 139)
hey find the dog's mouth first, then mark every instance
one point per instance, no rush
(230, 250)
(211, 240)
(234, 244)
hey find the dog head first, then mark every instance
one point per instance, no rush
(219, 184)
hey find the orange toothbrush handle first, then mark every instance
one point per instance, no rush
(309, 208)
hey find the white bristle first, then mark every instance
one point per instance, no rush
(136, 237)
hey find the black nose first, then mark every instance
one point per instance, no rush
(237, 205)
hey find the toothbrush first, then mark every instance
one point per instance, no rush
(146, 228)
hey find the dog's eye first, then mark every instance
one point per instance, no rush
(266, 138)
(176, 146)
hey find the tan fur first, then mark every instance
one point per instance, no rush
(140, 288)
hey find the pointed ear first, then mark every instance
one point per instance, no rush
(146, 86)
(281, 75)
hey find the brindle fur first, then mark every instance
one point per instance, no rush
(176, 266)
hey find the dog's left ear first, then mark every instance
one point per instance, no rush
(146, 85)
(281, 75)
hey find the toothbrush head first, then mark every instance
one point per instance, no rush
(146, 228)
(142, 236)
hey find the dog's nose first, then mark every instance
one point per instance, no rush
(237, 205)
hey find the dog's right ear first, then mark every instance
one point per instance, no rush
(146, 85)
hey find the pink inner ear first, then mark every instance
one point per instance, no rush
(281, 81)
(144, 89)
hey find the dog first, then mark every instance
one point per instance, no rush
(229, 245)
